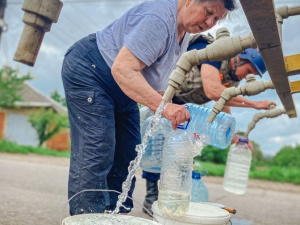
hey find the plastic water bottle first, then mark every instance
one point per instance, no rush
(237, 167)
(198, 145)
(199, 192)
(145, 113)
(176, 173)
(152, 158)
(218, 133)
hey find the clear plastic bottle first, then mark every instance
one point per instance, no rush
(176, 173)
(218, 133)
(237, 167)
(145, 113)
(199, 192)
(152, 158)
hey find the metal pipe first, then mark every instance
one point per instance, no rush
(224, 48)
(251, 87)
(271, 113)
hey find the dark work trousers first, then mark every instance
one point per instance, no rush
(104, 128)
(150, 176)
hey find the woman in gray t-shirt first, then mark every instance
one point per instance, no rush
(107, 73)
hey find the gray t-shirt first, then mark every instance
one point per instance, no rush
(149, 31)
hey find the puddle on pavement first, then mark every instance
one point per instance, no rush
(236, 221)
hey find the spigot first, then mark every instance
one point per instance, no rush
(283, 13)
(38, 18)
(251, 87)
(224, 48)
(271, 113)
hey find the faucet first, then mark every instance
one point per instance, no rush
(283, 13)
(251, 87)
(224, 48)
(271, 113)
(38, 18)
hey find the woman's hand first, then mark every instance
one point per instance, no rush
(265, 104)
(176, 113)
(235, 139)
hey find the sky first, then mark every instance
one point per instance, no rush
(79, 18)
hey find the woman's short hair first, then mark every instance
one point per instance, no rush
(230, 5)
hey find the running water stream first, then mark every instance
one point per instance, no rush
(134, 164)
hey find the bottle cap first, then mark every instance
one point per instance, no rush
(243, 139)
(198, 174)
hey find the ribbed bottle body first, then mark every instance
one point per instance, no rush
(152, 158)
(218, 133)
(237, 168)
(176, 172)
(199, 191)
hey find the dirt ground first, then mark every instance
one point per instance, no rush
(33, 190)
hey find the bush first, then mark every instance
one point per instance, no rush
(288, 157)
(214, 154)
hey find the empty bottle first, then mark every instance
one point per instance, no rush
(237, 167)
(218, 133)
(176, 173)
(152, 158)
(199, 192)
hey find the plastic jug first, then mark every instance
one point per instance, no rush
(237, 167)
(218, 133)
(176, 173)
(145, 113)
(199, 192)
(152, 158)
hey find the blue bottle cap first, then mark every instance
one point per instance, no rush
(243, 139)
(198, 174)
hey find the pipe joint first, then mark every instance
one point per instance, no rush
(38, 18)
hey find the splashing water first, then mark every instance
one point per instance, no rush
(134, 164)
(204, 137)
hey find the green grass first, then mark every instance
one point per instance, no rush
(271, 173)
(276, 173)
(11, 147)
(267, 172)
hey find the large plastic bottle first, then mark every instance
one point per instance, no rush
(218, 133)
(199, 192)
(152, 158)
(145, 113)
(176, 173)
(237, 167)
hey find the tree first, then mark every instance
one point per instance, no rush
(287, 156)
(58, 97)
(48, 123)
(11, 83)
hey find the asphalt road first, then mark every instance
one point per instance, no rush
(33, 190)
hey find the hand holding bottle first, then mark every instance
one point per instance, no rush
(177, 114)
(236, 139)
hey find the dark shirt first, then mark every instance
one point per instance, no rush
(200, 44)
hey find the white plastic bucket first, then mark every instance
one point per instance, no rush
(198, 213)
(106, 219)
